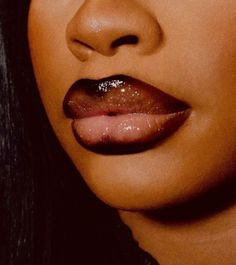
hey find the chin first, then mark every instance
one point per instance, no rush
(140, 192)
(146, 187)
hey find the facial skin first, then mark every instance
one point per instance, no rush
(187, 49)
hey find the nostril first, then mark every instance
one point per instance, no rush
(125, 40)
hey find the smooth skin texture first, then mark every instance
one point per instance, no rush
(187, 49)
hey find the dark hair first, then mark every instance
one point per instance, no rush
(47, 214)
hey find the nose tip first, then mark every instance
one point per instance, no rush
(106, 26)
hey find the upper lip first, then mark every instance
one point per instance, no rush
(116, 95)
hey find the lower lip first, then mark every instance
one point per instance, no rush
(126, 133)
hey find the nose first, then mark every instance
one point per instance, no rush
(106, 26)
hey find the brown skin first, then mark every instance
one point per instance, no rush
(187, 49)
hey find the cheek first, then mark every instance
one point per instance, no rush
(48, 51)
(54, 66)
(55, 69)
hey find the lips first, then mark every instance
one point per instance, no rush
(120, 114)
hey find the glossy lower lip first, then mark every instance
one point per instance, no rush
(128, 133)
(120, 115)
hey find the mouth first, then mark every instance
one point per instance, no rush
(121, 115)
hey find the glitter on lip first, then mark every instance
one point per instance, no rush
(117, 95)
(106, 85)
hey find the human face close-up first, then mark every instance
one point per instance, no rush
(141, 94)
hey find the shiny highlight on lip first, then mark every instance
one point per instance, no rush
(121, 114)
(129, 133)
